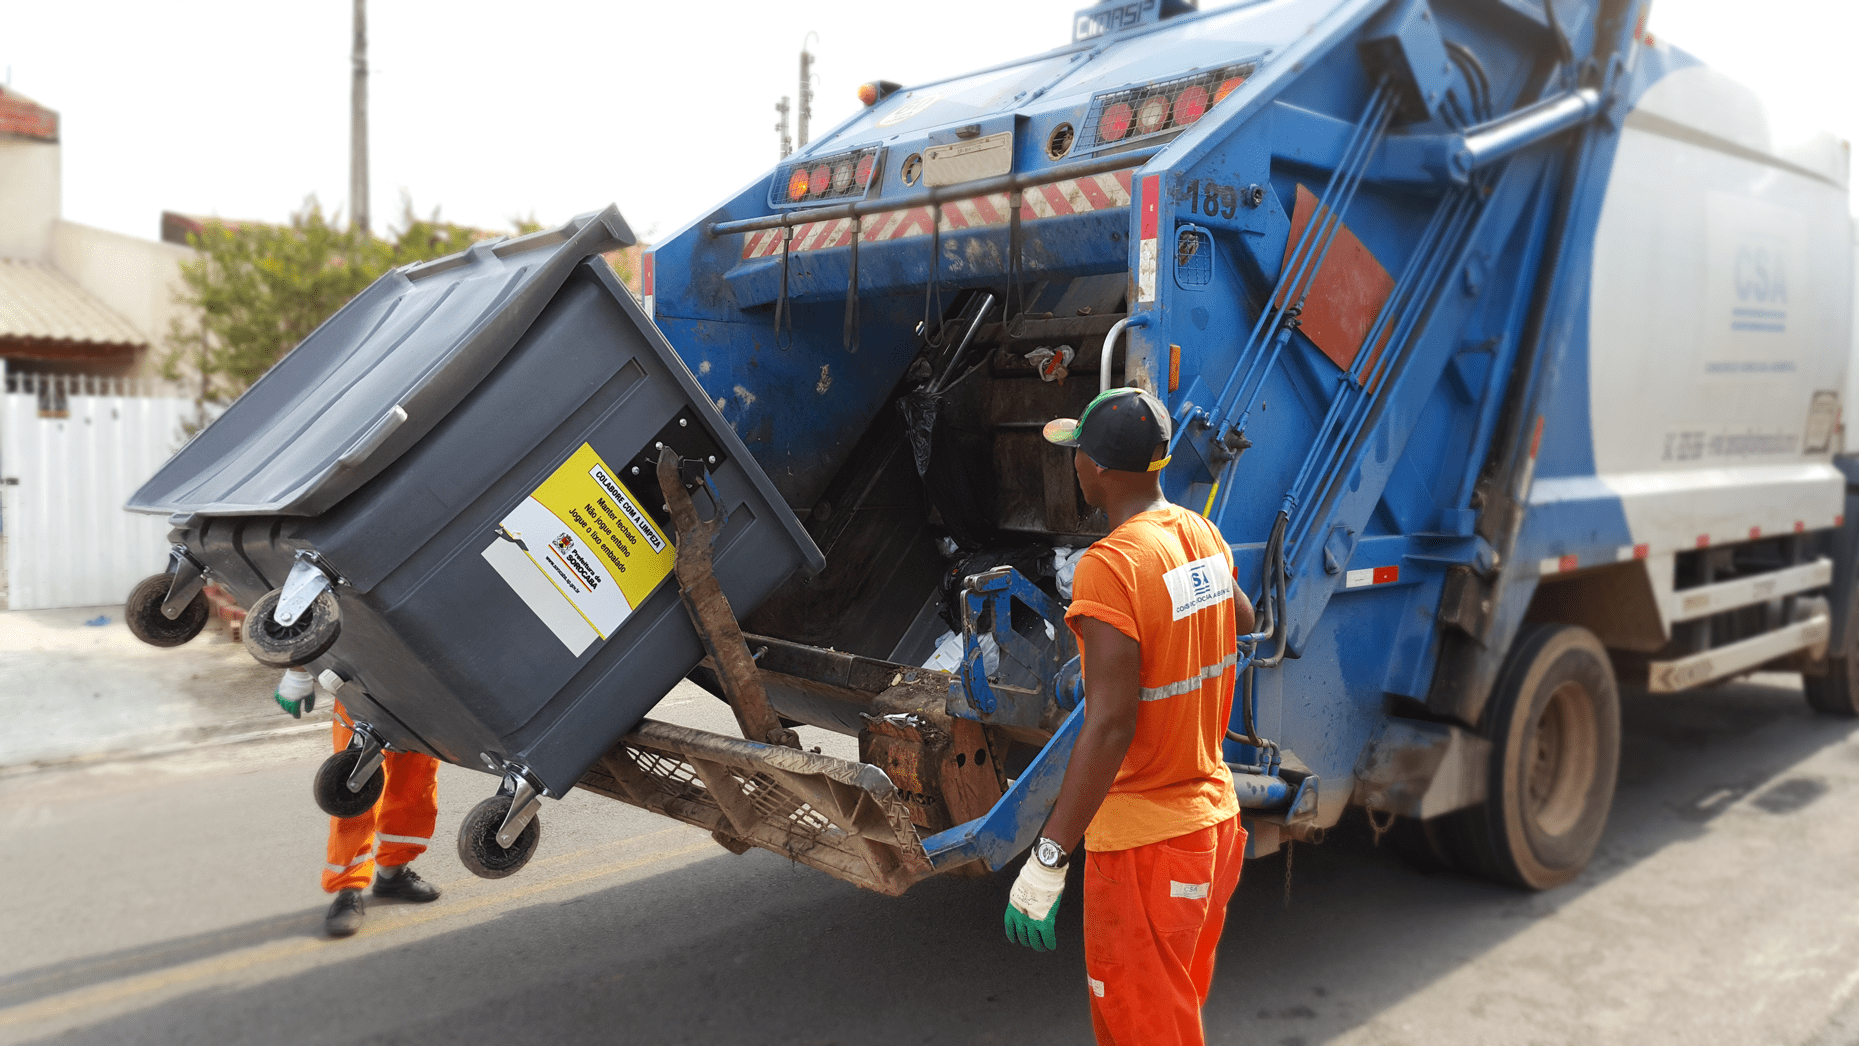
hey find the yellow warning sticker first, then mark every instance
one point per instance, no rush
(580, 552)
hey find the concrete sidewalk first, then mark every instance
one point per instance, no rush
(71, 691)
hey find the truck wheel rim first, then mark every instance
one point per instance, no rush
(1562, 759)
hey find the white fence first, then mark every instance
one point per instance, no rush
(72, 450)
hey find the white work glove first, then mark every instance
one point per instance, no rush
(1033, 906)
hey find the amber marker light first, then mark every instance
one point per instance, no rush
(1228, 87)
(797, 184)
(868, 94)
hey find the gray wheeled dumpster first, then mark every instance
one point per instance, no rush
(446, 497)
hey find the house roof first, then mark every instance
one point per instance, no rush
(40, 304)
(21, 117)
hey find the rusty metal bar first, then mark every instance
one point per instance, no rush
(711, 613)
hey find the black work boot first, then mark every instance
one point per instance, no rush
(404, 884)
(344, 916)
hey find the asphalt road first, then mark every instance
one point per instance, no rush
(173, 899)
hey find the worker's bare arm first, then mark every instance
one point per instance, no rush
(1112, 688)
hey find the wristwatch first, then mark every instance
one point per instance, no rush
(1050, 854)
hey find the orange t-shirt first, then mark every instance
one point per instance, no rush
(1166, 579)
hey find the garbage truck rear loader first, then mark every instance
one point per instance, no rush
(1502, 345)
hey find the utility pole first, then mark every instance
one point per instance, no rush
(358, 124)
(806, 93)
(787, 144)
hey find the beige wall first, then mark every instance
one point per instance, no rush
(136, 278)
(29, 198)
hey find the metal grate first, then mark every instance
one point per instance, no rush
(825, 179)
(1194, 257)
(844, 818)
(1136, 114)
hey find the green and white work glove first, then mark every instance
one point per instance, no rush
(1033, 906)
(296, 692)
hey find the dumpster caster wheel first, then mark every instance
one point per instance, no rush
(477, 840)
(299, 643)
(146, 621)
(332, 786)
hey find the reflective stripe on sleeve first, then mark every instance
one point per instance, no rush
(1192, 683)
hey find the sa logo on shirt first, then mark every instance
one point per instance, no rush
(1198, 585)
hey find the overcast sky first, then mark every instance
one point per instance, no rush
(553, 107)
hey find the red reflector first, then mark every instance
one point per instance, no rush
(863, 175)
(1755, 532)
(819, 180)
(1567, 563)
(1153, 114)
(1228, 87)
(1641, 551)
(1115, 123)
(645, 275)
(1191, 105)
(797, 184)
(1385, 575)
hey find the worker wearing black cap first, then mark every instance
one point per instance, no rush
(1157, 615)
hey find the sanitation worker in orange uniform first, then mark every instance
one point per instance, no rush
(1157, 615)
(381, 843)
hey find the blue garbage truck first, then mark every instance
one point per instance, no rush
(1502, 342)
(1503, 345)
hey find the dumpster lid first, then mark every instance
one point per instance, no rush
(374, 378)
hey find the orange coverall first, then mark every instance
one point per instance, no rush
(401, 821)
(1165, 848)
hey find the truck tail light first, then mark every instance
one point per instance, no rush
(1190, 105)
(1135, 113)
(1114, 123)
(1153, 115)
(815, 180)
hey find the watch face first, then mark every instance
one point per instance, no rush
(1048, 853)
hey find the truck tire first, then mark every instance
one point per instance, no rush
(1837, 692)
(1554, 726)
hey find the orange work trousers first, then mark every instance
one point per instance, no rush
(1152, 919)
(401, 822)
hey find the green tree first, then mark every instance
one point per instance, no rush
(257, 290)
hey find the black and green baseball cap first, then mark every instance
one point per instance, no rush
(1119, 430)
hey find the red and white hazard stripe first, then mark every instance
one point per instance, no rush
(1149, 254)
(1367, 576)
(1097, 192)
(645, 280)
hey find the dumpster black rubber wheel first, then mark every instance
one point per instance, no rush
(332, 786)
(142, 612)
(299, 643)
(1554, 726)
(477, 840)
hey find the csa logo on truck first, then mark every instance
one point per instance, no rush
(1761, 280)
